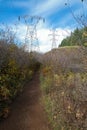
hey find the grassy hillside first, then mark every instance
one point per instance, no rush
(64, 86)
(70, 58)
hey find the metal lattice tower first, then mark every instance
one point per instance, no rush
(36, 42)
(54, 38)
(31, 39)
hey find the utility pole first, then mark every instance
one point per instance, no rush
(31, 39)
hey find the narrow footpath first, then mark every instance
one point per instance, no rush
(27, 112)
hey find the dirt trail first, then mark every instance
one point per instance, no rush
(27, 112)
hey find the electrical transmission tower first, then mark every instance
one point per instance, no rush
(54, 39)
(31, 39)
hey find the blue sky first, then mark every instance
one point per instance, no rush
(56, 14)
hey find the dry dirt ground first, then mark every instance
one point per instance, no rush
(27, 112)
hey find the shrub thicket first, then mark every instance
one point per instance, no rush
(16, 67)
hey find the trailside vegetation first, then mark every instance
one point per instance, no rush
(16, 67)
(64, 88)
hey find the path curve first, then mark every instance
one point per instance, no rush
(27, 112)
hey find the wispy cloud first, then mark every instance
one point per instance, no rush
(23, 4)
(47, 7)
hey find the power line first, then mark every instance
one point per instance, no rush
(31, 39)
(54, 38)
